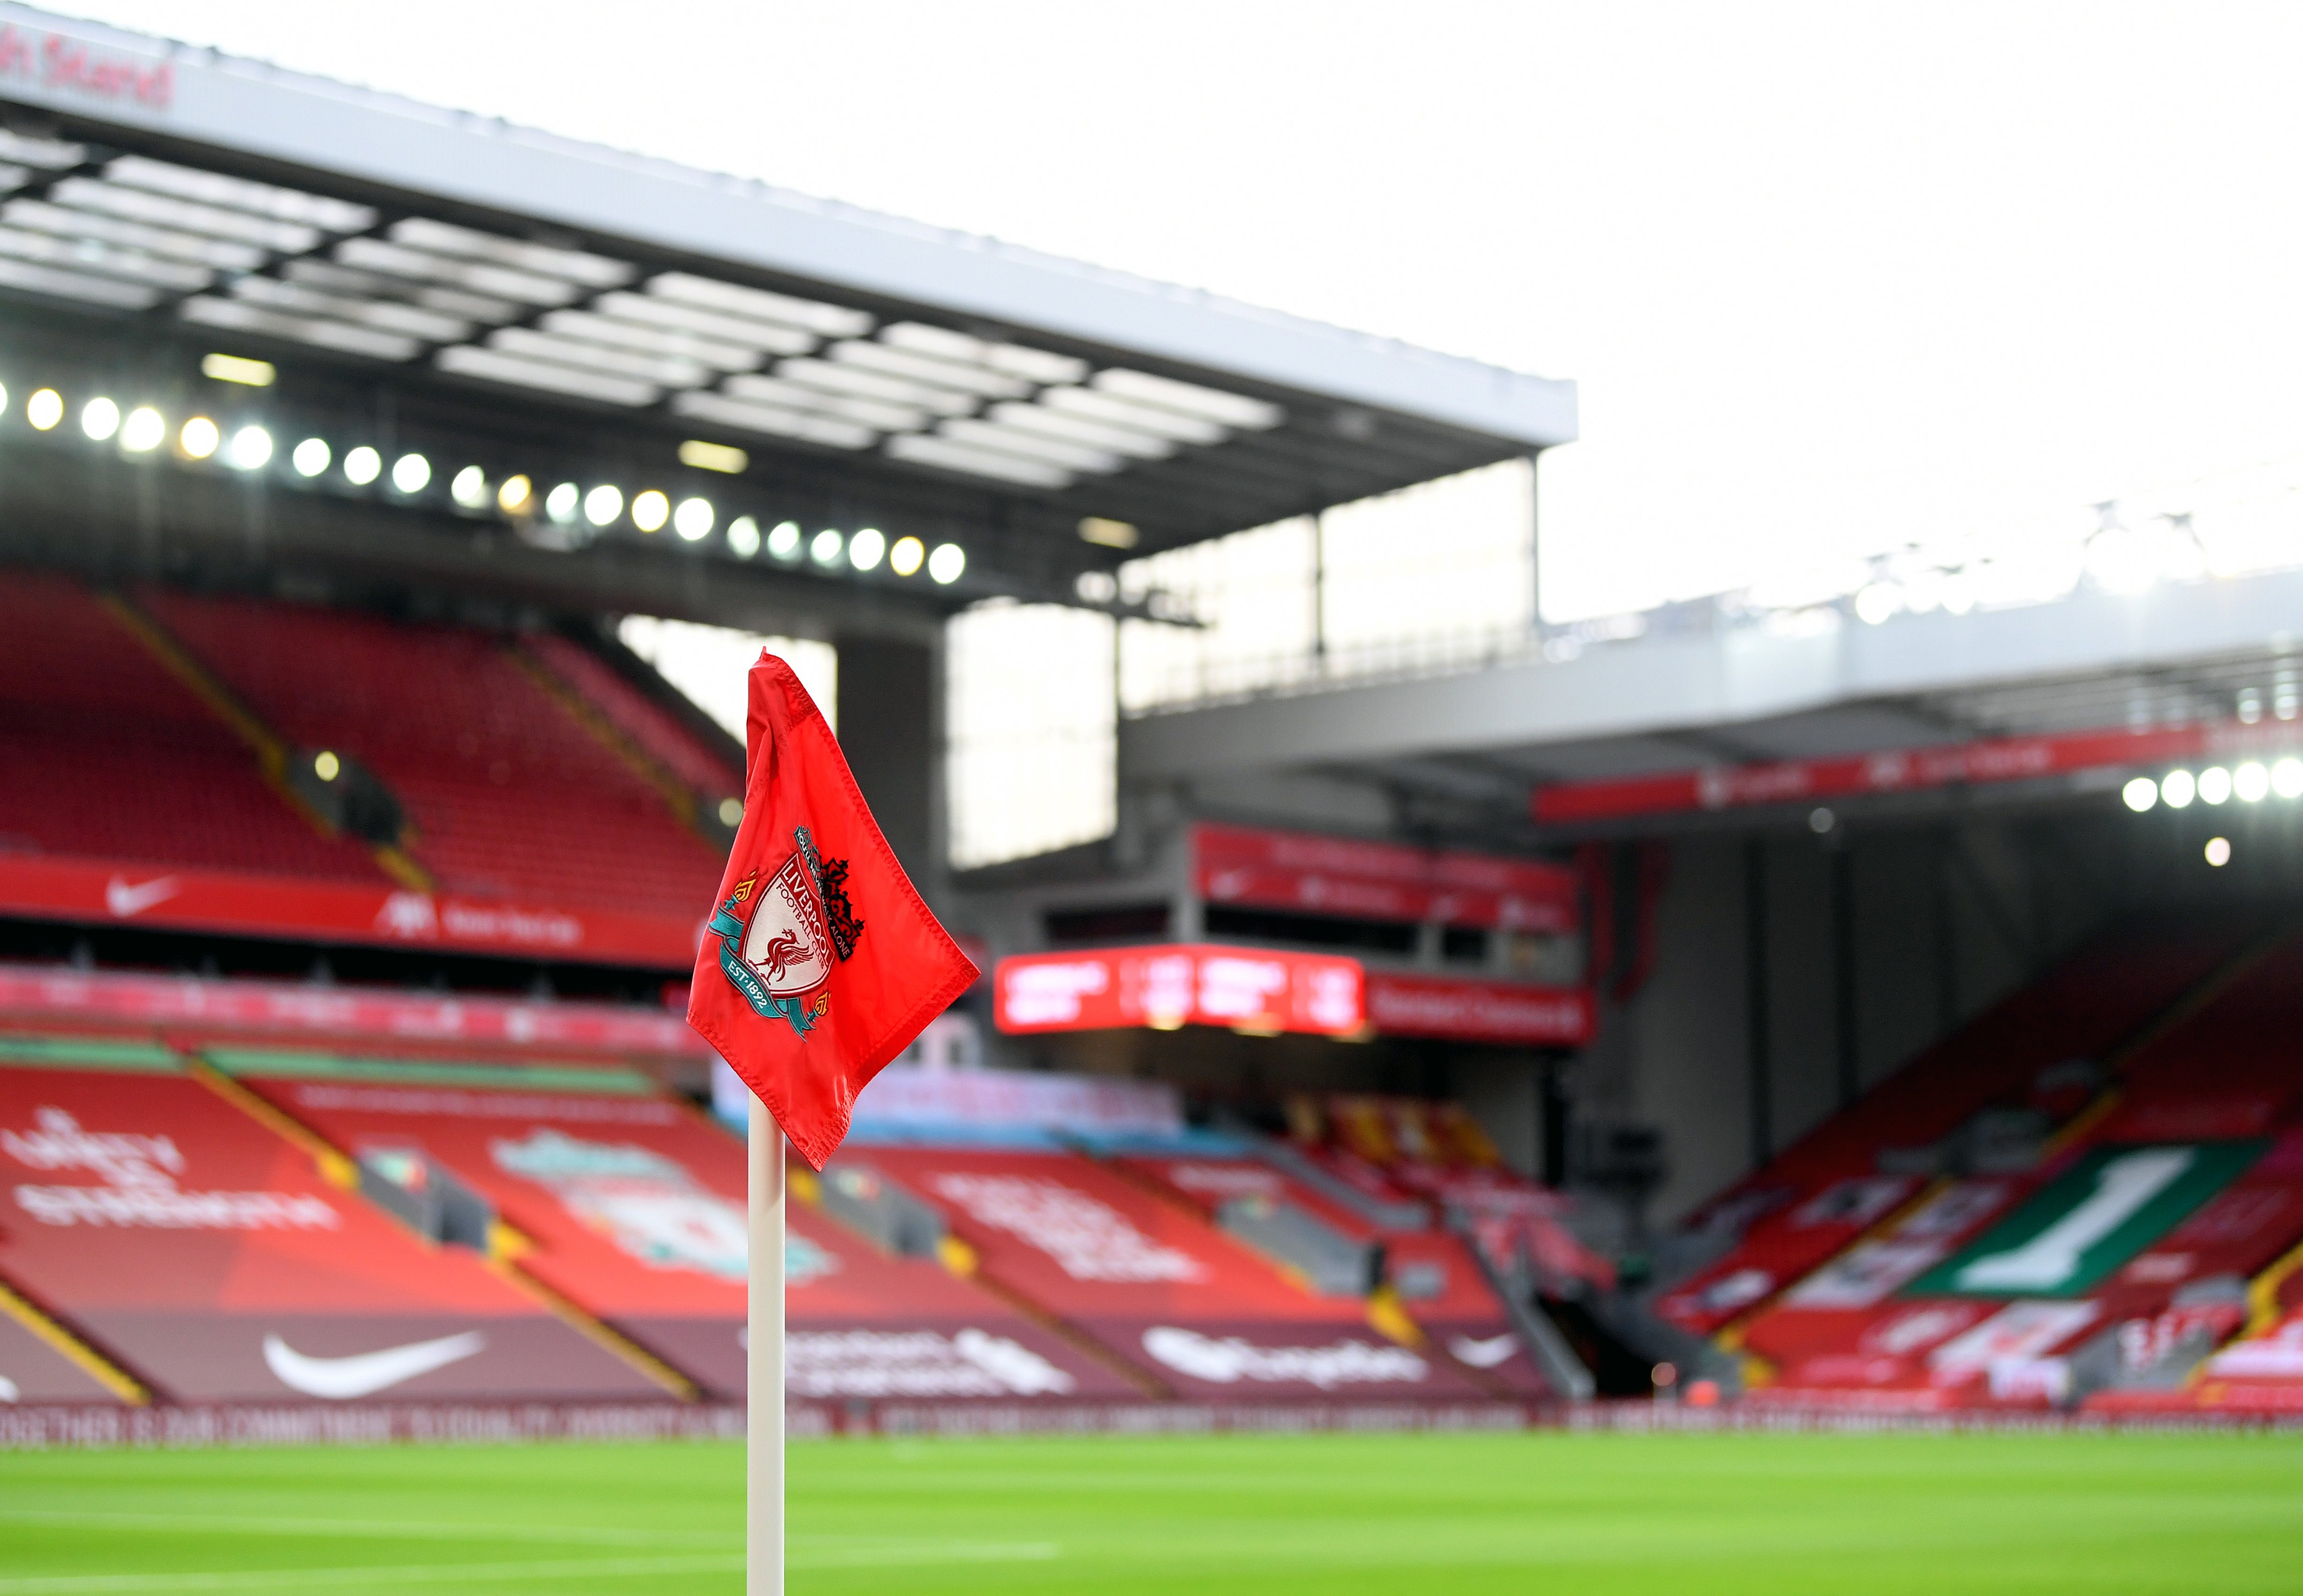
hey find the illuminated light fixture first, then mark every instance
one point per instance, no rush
(411, 472)
(251, 451)
(362, 466)
(1877, 604)
(2218, 851)
(824, 547)
(731, 810)
(2215, 785)
(1101, 587)
(2286, 778)
(650, 511)
(2177, 789)
(311, 457)
(469, 489)
(866, 549)
(714, 457)
(906, 557)
(1164, 1021)
(99, 418)
(143, 430)
(45, 408)
(198, 438)
(236, 368)
(560, 504)
(2250, 783)
(2140, 793)
(783, 542)
(692, 518)
(515, 496)
(744, 536)
(1110, 534)
(946, 564)
(326, 766)
(604, 504)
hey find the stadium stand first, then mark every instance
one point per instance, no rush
(200, 1256)
(1161, 1290)
(134, 766)
(1427, 1275)
(1988, 1094)
(2095, 1255)
(507, 793)
(629, 1205)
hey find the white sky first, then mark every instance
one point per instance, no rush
(1832, 277)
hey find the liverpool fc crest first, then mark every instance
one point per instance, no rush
(777, 945)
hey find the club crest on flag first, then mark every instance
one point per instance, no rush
(776, 946)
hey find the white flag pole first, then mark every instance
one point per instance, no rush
(764, 1370)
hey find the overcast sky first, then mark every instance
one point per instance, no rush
(1830, 277)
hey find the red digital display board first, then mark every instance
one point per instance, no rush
(1178, 985)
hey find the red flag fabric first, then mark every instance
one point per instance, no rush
(820, 962)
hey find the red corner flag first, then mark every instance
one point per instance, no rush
(821, 963)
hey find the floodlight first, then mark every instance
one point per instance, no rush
(362, 466)
(604, 504)
(731, 810)
(2140, 793)
(326, 765)
(2177, 789)
(905, 558)
(469, 489)
(311, 457)
(99, 418)
(236, 368)
(251, 451)
(824, 547)
(650, 511)
(2215, 785)
(143, 430)
(713, 457)
(2218, 851)
(866, 548)
(692, 520)
(783, 543)
(2286, 778)
(45, 408)
(200, 437)
(744, 536)
(947, 563)
(560, 504)
(515, 496)
(411, 472)
(1876, 603)
(2250, 783)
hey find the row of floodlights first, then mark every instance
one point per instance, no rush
(250, 448)
(2250, 783)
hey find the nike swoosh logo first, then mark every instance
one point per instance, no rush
(127, 902)
(1487, 1354)
(365, 1373)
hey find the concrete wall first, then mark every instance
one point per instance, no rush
(1947, 920)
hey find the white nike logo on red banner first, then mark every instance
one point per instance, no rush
(365, 1373)
(126, 902)
(1484, 1354)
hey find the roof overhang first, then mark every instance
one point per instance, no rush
(1464, 752)
(548, 300)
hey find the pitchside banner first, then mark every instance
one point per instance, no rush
(2107, 1207)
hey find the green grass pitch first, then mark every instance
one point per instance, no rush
(1866, 1514)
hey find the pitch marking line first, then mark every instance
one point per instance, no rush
(893, 1554)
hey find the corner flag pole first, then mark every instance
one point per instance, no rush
(763, 1368)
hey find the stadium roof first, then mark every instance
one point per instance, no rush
(1461, 752)
(524, 293)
